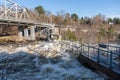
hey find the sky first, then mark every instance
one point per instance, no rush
(90, 8)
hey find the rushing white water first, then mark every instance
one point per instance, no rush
(44, 61)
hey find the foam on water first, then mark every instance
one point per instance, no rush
(52, 65)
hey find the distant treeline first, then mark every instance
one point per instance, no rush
(64, 18)
(99, 28)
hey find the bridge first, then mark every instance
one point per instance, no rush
(12, 14)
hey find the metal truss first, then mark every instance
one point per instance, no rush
(10, 10)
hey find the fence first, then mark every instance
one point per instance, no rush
(103, 56)
(106, 55)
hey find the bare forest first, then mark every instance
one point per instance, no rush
(95, 29)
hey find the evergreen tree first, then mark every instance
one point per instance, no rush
(74, 17)
(40, 10)
(116, 21)
(102, 33)
(110, 33)
(70, 35)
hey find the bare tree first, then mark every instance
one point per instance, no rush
(48, 15)
(67, 20)
(60, 17)
(98, 20)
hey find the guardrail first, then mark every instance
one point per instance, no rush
(102, 56)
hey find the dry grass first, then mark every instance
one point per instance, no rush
(11, 39)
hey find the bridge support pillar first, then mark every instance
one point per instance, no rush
(32, 32)
(20, 34)
(26, 34)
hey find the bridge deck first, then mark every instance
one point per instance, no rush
(14, 22)
(23, 22)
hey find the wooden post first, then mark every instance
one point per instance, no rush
(110, 65)
(88, 52)
(78, 50)
(119, 51)
(72, 50)
(119, 58)
(98, 55)
(107, 53)
(81, 50)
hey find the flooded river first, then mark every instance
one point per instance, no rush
(43, 61)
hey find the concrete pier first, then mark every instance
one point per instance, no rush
(26, 34)
(20, 34)
(32, 33)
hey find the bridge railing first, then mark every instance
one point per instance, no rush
(102, 56)
(115, 49)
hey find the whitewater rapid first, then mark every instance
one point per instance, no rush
(43, 61)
